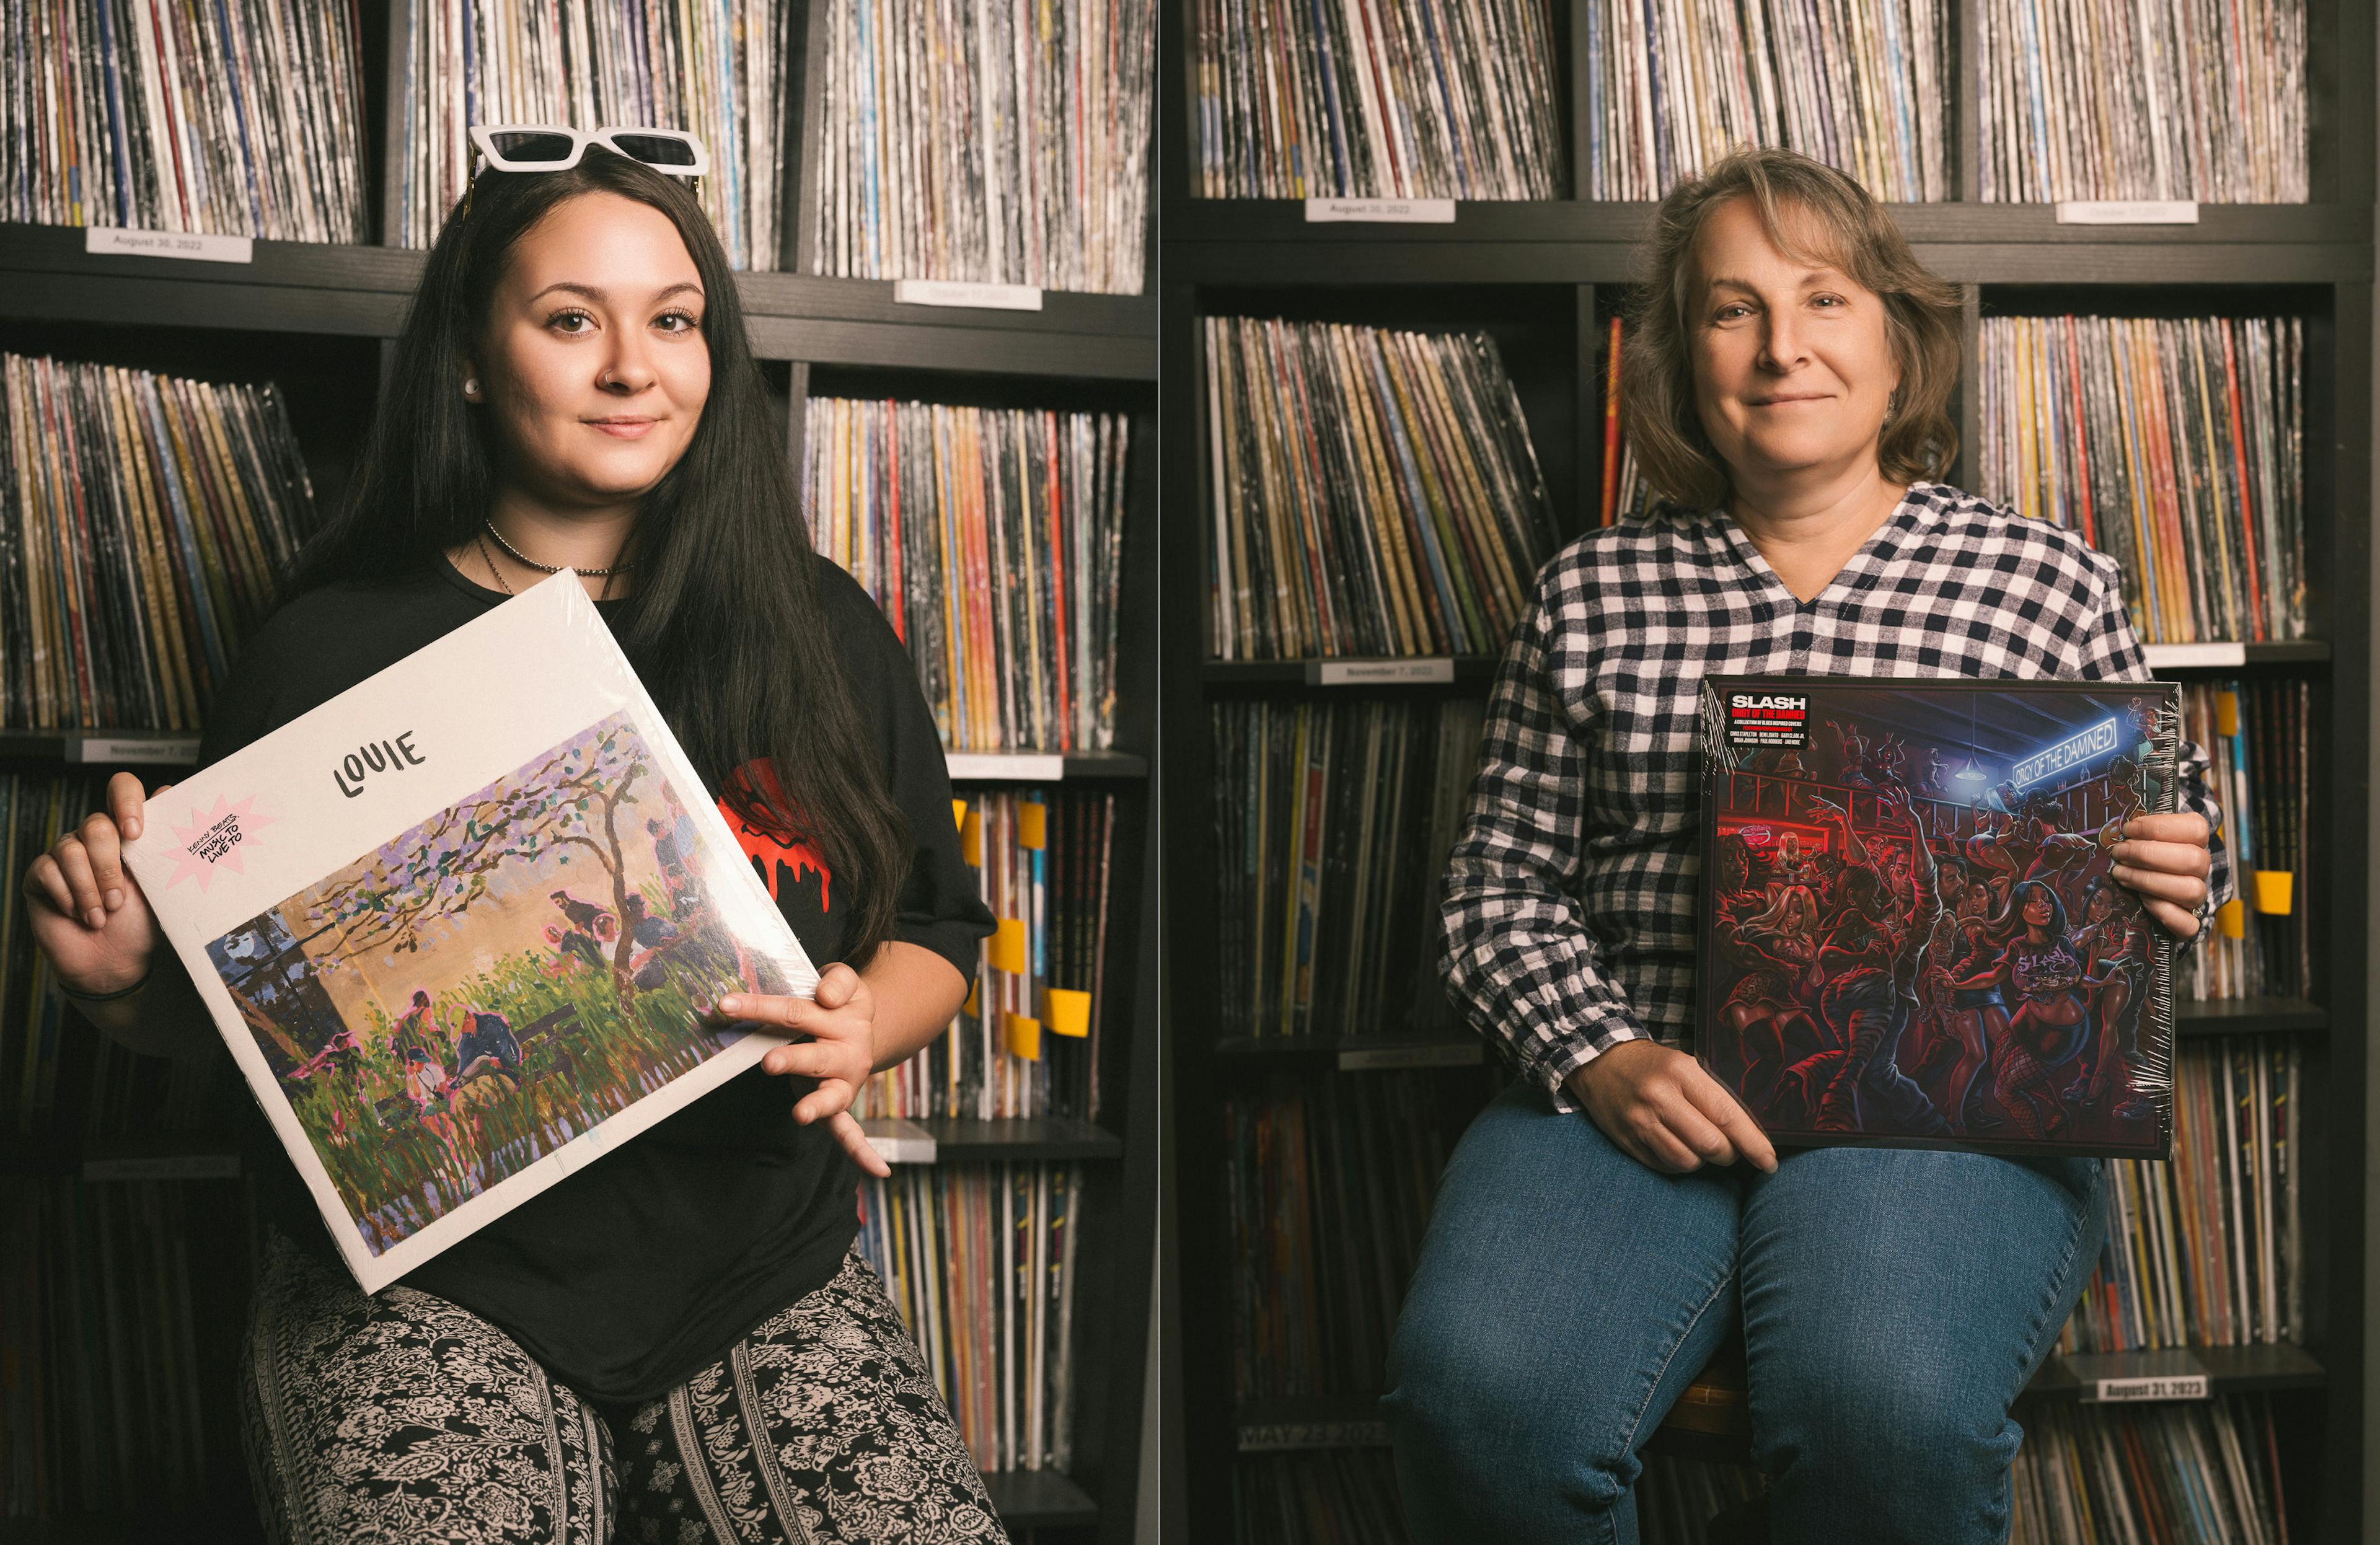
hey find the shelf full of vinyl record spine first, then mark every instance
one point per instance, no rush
(362, 290)
(1314, 174)
(1293, 283)
(119, 146)
(1024, 1121)
(1029, 278)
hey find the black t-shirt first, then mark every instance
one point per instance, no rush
(643, 1268)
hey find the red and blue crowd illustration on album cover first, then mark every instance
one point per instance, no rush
(1910, 929)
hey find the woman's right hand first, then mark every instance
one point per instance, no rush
(1661, 1108)
(89, 915)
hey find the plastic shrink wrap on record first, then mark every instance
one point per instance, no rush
(463, 927)
(1911, 933)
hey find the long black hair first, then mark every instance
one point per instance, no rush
(2010, 923)
(723, 623)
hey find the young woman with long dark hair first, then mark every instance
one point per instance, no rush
(681, 1335)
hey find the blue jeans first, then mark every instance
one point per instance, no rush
(1892, 1303)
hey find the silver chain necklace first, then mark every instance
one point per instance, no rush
(490, 559)
(552, 569)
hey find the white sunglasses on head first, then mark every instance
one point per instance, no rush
(551, 147)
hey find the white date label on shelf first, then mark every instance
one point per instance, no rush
(118, 242)
(1006, 767)
(961, 292)
(2172, 657)
(167, 750)
(1389, 212)
(1368, 672)
(2180, 1386)
(898, 1141)
(1276, 1437)
(2128, 212)
(179, 1166)
(1456, 1054)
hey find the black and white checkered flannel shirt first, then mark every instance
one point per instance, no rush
(1570, 903)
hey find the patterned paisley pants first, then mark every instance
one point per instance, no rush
(402, 1418)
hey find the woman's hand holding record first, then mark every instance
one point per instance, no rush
(2164, 858)
(840, 1054)
(88, 913)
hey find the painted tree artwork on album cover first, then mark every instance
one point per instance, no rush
(494, 981)
(1912, 932)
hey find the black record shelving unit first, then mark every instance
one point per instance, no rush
(1562, 266)
(328, 314)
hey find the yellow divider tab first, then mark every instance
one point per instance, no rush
(2231, 919)
(1024, 1037)
(958, 814)
(2274, 888)
(1032, 824)
(971, 838)
(970, 1007)
(2226, 713)
(1008, 946)
(1070, 1012)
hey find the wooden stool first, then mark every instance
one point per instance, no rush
(1713, 1418)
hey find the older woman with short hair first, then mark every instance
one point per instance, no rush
(1610, 1220)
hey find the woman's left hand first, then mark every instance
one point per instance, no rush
(2164, 858)
(841, 1053)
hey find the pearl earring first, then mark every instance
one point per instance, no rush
(471, 387)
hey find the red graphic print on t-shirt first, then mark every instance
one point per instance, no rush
(794, 870)
(797, 858)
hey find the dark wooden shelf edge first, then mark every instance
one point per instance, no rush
(2287, 652)
(1469, 670)
(2192, 1017)
(360, 291)
(1010, 1139)
(1119, 766)
(2229, 1369)
(149, 747)
(1274, 265)
(58, 252)
(146, 1156)
(1267, 1046)
(1354, 1053)
(2204, 1016)
(773, 292)
(1038, 1499)
(29, 248)
(1197, 221)
(1355, 1421)
(1290, 1423)
(1021, 1137)
(1257, 242)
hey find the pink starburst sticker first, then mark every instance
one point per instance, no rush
(213, 839)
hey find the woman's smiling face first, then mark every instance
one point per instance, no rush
(1793, 364)
(593, 360)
